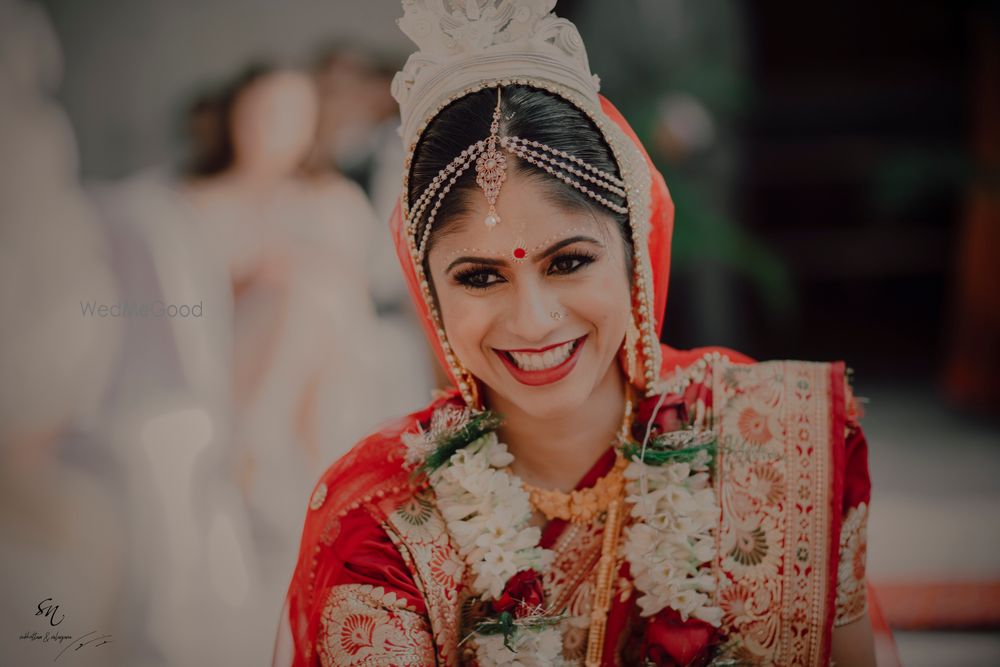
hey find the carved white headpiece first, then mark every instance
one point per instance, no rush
(464, 42)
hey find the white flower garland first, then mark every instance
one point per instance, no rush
(677, 514)
(487, 512)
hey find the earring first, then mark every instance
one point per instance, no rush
(631, 343)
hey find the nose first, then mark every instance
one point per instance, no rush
(530, 316)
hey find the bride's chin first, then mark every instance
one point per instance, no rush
(543, 405)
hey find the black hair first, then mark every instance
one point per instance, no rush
(528, 113)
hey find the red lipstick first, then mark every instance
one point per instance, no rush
(547, 376)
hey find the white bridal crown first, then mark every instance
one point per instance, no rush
(462, 43)
(465, 43)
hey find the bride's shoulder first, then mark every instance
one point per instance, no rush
(375, 469)
(718, 378)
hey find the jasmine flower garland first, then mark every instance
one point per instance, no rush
(487, 512)
(674, 536)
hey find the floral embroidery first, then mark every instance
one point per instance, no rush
(416, 510)
(437, 570)
(752, 551)
(570, 581)
(852, 600)
(577, 550)
(445, 568)
(775, 482)
(768, 485)
(365, 626)
(774, 494)
(753, 426)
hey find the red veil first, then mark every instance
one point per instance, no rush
(661, 229)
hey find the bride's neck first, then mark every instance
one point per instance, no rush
(556, 452)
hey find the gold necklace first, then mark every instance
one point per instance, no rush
(584, 505)
(581, 505)
(600, 603)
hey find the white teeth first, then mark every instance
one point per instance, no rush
(539, 361)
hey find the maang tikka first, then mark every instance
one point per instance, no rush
(491, 168)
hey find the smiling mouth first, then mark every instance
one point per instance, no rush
(546, 359)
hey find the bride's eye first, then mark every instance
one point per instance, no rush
(477, 278)
(570, 262)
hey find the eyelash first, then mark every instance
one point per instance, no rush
(467, 277)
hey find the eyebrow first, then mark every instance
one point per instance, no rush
(552, 249)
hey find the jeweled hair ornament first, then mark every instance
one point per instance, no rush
(491, 172)
(491, 168)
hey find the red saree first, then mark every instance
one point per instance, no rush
(379, 582)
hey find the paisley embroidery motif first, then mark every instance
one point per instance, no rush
(416, 510)
(418, 530)
(753, 426)
(365, 626)
(852, 599)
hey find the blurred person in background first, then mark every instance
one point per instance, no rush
(274, 375)
(169, 416)
(358, 136)
(62, 551)
(309, 351)
(358, 125)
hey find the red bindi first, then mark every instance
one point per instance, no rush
(519, 253)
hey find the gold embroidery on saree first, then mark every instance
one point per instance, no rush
(774, 483)
(852, 598)
(418, 530)
(570, 581)
(366, 626)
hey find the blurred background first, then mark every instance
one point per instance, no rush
(201, 307)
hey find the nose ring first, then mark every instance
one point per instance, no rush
(556, 315)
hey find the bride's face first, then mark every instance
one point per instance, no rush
(537, 306)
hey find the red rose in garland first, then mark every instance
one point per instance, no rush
(672, 416)
(522, 594)
(675, 412)
(672, 642)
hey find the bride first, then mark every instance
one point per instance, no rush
(584, 495)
